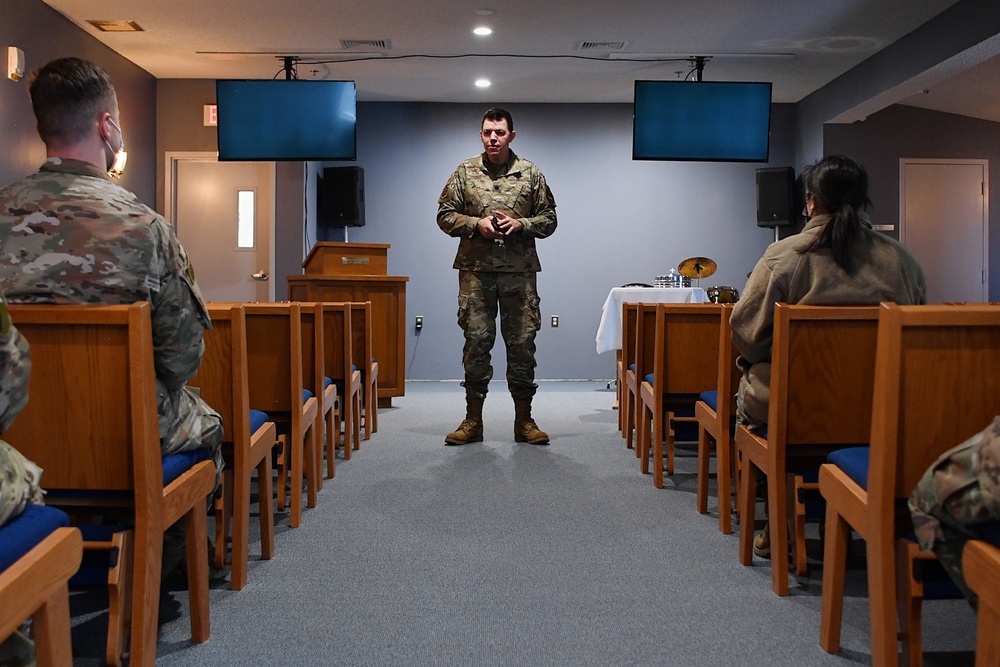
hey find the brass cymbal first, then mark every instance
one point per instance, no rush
(697, 267)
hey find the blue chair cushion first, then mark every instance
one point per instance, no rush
(327, 382)
(306, 395)
(22, 533)
(854, 462)
(257, 419)
(650, 378)
(353, 368)
(175, 464)
(711, 398)
(631, 367)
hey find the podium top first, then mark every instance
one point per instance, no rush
(347, 259)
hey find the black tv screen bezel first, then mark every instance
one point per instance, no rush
(231, 156)
(700, 158)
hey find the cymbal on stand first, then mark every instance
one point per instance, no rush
(697, 267)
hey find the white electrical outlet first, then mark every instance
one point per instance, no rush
(15, 63)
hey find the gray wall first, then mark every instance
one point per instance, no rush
(44, 34)
(909, 132)
(619, 220)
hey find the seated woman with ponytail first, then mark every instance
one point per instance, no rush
(837, 259)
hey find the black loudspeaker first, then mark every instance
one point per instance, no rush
(340, 196)
(776, 197)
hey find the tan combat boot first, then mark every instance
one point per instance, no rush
(471, 428)
(525, 428)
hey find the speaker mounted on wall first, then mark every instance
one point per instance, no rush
(340, 195)
(776, 199)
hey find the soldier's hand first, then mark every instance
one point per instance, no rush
(486, 229)
(508, 225)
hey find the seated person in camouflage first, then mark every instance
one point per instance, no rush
(19, 477)
(957, 495)
(69, 235)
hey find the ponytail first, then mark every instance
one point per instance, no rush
(841, 184)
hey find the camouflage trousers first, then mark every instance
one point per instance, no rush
(481, 295)
(187, 422)
(957, 495)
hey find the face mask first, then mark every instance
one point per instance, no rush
(116, 166)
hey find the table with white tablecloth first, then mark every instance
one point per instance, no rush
(609, 332)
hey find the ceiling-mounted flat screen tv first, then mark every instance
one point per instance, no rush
(286, 120)
(701, 121)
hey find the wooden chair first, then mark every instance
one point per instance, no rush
(364, 359)
(222, 381)
(274, 351)
(36, 586)
(715, 414)
(640, 363)
(685, 363)
(981, 568)
(625, 360)
(822, 364)
(317, 380)
(104, 438)
(937, 382)
(338, 349)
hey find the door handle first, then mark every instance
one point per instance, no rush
(260, 275)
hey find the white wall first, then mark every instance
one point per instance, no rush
(619, 220)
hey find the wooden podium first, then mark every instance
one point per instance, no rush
(357, 272)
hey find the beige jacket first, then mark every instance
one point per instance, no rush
(886, 272)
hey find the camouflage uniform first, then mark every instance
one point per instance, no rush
(19, 477)
(69, 235)
(495, 275)
(960, 491)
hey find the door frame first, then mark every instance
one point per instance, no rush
(985, 164)
(171, 161)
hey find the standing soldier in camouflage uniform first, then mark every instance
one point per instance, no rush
(957, 494)
(497, 204)
(19, 477)
(69, 235)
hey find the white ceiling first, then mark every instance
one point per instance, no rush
(534, 55)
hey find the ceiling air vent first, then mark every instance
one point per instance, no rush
(365, 44)
(602, 46)
(115, 25)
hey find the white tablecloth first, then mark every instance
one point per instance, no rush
(609, 333)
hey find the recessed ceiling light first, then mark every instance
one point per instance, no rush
(483, 31)
(483, 83)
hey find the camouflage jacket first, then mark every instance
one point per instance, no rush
(19, 477)
(69, 235)
(519, 190)
(960, 490)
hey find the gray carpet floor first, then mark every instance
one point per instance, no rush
(505, 554)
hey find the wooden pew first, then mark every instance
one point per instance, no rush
(822, 365)
(626, 359)
(715, 424)
(35, 587)
(314, 375)
(98, 432)
(936, 383)
(274, 351)
(981, 568)
(641, 364)
(361, 323)
(338, 349)
(685, 363)
(223, 382)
